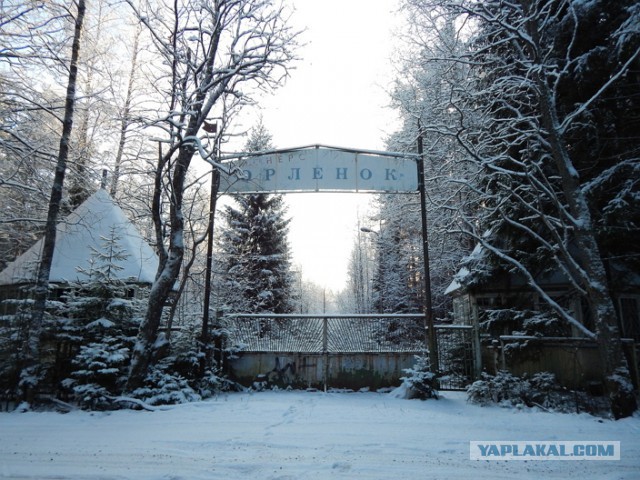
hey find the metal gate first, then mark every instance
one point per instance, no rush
(370, 335)
(326, 333)
(458, 356)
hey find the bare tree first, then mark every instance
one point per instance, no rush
(33, 39)
(95, 109)
(360, 272)
(125, 114)
(212, 49)
(31, 348)
(426, 89)
(34, 43)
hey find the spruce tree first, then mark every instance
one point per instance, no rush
(98, 326)
(256, 260)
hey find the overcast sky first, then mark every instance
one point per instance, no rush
(336, 96)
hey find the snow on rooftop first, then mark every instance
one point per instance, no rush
(457, 279)
(476, 254)
(84, 229)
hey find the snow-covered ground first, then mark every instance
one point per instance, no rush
(302, 435)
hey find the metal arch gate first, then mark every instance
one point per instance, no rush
(324, 168)
(390, 338)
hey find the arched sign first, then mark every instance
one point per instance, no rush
(318, 168)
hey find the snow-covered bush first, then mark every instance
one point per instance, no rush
(213, 382)
(206, 380)
(16, 328)
(419, 381)
(165, 388)
(183, 375)
(540, 390)
(14, 323)
(621, 393)
(93, 328)
(187, 359)
(99, 374)
(505, 389)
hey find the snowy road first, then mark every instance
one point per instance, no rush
(301, 435)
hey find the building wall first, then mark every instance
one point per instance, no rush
(574, 362)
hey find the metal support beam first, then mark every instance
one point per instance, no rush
(204, 336)
(325, 349)
(428, 308)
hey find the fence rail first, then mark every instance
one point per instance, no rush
(326, 333)
(458, 348)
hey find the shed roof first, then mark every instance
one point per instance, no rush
(77, 236)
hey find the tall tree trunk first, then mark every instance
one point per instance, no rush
(197, 85)
(147, 342)
(204, 336)
(601, 307)
(31, 347)
(126, 115)
(79, 182)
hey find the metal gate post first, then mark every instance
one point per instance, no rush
(432, 339)
(325, 349)
(477, 353)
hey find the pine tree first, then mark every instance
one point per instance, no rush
(256, 260)
(256, 255)
(357, 297)
(398, 278)
(604, 144)
(97, 326)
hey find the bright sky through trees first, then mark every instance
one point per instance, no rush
(336, 96)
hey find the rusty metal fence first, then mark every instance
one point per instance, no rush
(458, 350)
(326, 333)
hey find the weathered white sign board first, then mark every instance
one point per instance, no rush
(321, 169)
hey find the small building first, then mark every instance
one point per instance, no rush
(96, 237)
(78, 237)
(517, 334)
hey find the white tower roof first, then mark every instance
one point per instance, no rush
(83, 230)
